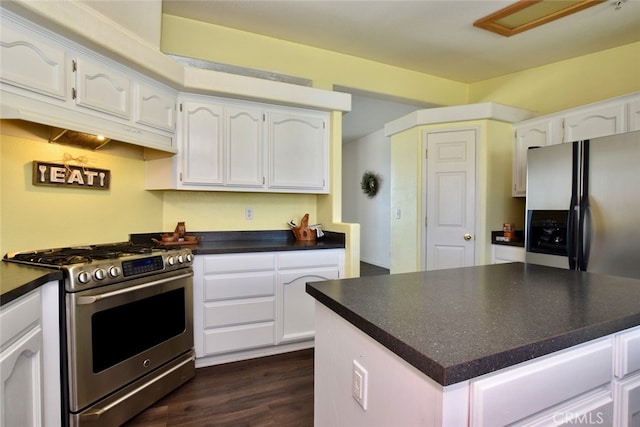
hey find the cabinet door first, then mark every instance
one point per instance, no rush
(298, 307)
(627, 402)
(245, 154)
(21, 387)
(103, 89)
(30, 63)
(201, 143)
(299, 152)
(634, 115)
(155, 107)
(528, 136)
(595, 122)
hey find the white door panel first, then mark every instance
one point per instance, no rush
(450, 199)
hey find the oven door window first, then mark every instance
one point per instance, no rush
(129, 329)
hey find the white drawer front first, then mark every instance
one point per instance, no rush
(18, 316)
(627, 352)
(522, 391)
(221, 287)
(229, 313)
(238, 338)
(238, 263)
(299, 259)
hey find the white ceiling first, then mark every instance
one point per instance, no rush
(433, 37)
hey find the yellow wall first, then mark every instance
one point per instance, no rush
(36, 217)
(566, 84)
(195, 39)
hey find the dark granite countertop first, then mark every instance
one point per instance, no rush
(17, 280)
(454, 325)
(224, 242)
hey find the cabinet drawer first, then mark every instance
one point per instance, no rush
(229, 313)
(319, 258)
(594, 409)
(239, 263)
(18, 316)
(627, 352)
(504, 253)
(238, 338)
(228, 286)
(522, 391)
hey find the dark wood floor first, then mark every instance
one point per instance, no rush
(371, 270)
(269, 391)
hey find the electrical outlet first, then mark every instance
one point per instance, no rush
(248, 213)
(359, 384)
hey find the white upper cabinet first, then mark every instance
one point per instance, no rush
(230, 145)
(634, 115)
(605, 118)
(32, 63)
(299, 151)
(529, 134)
(245, 147)
(601, 120)
(53, 81)
(155, 106)
(101, 88)
(201, 143)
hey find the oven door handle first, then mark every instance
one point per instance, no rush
(93, 298)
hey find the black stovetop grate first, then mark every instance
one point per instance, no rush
(84, 254)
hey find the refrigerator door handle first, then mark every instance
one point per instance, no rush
(583, 229)
(571, 236)
(572, 232)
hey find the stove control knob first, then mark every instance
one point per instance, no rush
(84, 277)
(100, 274)
(189, 257)
(171, 260)
(180, 259)
(114, 271)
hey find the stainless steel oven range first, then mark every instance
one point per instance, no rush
(128, 327)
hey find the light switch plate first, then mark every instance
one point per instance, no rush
(359, 384)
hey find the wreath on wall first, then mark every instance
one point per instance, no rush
(369, 184)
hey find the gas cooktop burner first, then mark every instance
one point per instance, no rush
(84, 254)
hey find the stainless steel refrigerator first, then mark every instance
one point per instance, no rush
(583, 205)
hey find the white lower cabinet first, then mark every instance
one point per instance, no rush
(30, 359)
(21, 364)
(627, 373)
(255, 304)
(295, 269)
(504, 253)
(573, 384)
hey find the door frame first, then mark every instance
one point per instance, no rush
(424, 186)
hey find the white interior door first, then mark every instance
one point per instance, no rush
(450, 199)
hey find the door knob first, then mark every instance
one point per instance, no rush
(467, 236)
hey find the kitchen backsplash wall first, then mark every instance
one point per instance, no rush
(36, 217)
(222, 211)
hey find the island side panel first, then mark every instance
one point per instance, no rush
(397, 393)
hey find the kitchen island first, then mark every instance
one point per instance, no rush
(474, 346)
